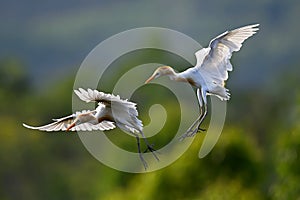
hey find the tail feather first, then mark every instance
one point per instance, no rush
(220, 92)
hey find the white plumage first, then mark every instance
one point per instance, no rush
(111, 111)
(64, 123)
(211, 70)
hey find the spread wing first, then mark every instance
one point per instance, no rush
(90, 95)
(63, 123)
(214, 61)
(124, 111)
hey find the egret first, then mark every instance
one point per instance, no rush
(111, 111)
(211, 70)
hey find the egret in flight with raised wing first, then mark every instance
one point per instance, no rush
(211, 70)
(111, 111)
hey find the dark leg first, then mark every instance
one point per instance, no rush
(140, 153)
(123, 127)
(201, 129)
(149, 146)
(146, 150)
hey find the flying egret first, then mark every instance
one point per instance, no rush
(211, 70)
(111, 111)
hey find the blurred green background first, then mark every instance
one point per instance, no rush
(42, 46)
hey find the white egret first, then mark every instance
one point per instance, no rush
(111, 111)
(211, 70)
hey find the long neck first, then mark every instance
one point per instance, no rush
(177, 77)
(182, 77)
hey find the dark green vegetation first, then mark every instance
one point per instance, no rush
(256, 157)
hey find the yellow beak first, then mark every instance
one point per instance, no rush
(71, 126)
(149, 79)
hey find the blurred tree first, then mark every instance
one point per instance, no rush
(36, 165)
(14, 84)
(232, 170)
(286, 183)
(13, 76)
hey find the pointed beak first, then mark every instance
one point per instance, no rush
(71, 126)
(149, 79)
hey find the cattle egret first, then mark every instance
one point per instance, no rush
(211, 70)
(111, 111)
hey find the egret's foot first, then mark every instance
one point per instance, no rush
(201, 129)
(194, 133)
(191, 133)
(148, 148)
(181, 138)
(152, 150)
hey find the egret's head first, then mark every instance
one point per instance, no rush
(161, 71)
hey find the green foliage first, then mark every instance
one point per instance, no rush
(287, 160)
(232, 170)
(256, 157)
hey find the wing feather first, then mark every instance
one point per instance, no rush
(90, 95)
(214, 61)
(63, 123)
(123, 111)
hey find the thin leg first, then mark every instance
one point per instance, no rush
(146, 150)
(200, 122)
(192, 128)
(149, 146)
(196, 123)
(140, 153)
(201, 94)
(123, 127)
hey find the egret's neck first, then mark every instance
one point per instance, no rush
(177, 77)
(183, 77)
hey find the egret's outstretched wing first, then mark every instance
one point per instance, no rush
(123, 111)
(63, 123)
(90, 95)
(214, 61)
